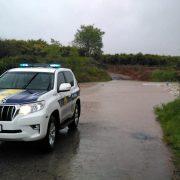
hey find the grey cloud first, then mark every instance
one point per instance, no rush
(131, 26)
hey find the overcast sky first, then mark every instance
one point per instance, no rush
(131, 26)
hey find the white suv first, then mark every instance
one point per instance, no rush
(35, 102)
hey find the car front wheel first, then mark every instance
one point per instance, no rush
(49, 140)
(75, 122)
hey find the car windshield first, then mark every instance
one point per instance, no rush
(27, 80)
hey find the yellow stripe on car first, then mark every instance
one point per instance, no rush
(9, 92)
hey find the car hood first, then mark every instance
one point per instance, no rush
(18, 96)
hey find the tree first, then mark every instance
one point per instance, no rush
(54, 42)
(89, 38)
(53, 49)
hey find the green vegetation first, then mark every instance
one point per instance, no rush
(142, 60)
(89, 39)
(86, 69)
(146, 67)
(169, 117)
(13, 52)
(164, 75)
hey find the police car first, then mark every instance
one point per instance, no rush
(36, 101)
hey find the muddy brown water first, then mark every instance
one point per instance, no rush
(118, 138)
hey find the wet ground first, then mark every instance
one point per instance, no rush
(118, 138)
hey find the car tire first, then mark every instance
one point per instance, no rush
(74, 124)
(49, 141)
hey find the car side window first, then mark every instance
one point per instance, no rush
(69, 77)
(60, 79)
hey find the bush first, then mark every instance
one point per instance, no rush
(164, 75)
(84, 68)
(13, 52)
(141, 59)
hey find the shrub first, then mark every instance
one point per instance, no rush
(84, 68)
(164, 75)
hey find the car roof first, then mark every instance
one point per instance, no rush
(37, 69)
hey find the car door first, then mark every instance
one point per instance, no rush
(63, 98)
(69, 78)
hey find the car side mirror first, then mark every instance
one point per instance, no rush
(64, 87)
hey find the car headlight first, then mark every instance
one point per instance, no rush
(30, 108)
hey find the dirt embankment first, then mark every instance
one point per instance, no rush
(133, 72)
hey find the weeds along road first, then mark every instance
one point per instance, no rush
(118, 138)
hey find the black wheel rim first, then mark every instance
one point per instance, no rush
(52, 134)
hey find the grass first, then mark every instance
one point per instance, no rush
(164, 75)
(169, 117)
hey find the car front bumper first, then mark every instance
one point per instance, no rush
(21, 128)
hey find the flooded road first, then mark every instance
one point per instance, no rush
(118, 138)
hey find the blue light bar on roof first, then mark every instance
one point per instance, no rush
(24, 65)
(40, 65)
(55, 65)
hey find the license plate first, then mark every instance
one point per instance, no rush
(0, 127)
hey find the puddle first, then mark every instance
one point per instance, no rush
(142, 136)
(153, 84)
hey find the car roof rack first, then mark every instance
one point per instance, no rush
(26, 65)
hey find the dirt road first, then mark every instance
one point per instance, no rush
(118, 138)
